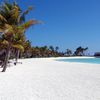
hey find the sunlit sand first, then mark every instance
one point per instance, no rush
(47, 79)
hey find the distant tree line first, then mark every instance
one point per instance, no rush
(48, 51)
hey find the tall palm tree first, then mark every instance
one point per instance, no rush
(12, 25)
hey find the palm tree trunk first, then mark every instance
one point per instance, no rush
(17, 56)
(6, 59)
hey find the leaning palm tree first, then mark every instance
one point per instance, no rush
(12, 25)
(80, 51)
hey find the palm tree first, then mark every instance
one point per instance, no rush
(68, 52)
(11, 22)
(56, 48)
(52, 50)
(28, 49)
(80, 51)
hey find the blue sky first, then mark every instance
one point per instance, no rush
(66, 23)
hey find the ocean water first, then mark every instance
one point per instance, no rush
(82, 60)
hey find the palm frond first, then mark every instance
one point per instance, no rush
(15, 12)
(8, 27)
(2, 18)
(5, 42)
(6, 5)
(30, 23)
(21, 18)
(18, 46)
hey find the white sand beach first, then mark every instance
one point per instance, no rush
(47, 79)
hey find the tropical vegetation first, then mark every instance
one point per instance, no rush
(12, 30)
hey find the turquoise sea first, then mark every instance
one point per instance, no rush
(82, 60)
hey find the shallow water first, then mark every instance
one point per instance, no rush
(82, 60)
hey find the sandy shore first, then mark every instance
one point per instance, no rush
(47, 79)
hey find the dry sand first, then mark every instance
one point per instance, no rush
(47, 79)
